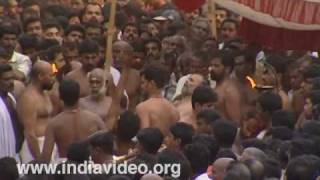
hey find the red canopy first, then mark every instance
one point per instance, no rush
(279, 24)
(189, 5)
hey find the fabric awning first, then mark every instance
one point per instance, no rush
(280, 24)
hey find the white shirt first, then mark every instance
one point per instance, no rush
(21, 63)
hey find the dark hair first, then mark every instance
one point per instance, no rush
(88, 46)
(202, 95)
(69, 91)
(169, 156)
(28, 41)
(202, 56)
(78, 152)
(198, 156)
(77, 28)
(303, 167)
(131, 24)
(301, 146)
(52, 52)
(150, 139)
(9, 29)
(156, 74)
(69, 46)
(270, 102)
(103, 140)
(226, 153)
(283, 133)
(208, 115)
(63, 21)
(46, 44)
(155, 41)
(4, 68)
(230, 20)
(182, 131)
(254, 142)
(226, 58)
(225, 133)
(57, 10)
(311, 128)
(210, 143)
(51, 24)
(8, 169)
(100, 40)
(127, 126)
(283, 118)
(27, 3)
(29, 21)
(278, 62)
(312, 72)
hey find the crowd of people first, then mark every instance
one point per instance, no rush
(221, 107)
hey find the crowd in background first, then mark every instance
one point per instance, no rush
(221, 107)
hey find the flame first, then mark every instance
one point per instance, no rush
(252, 82)
(54, 68)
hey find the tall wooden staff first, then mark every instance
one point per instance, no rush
(109, 39)
(212, 17)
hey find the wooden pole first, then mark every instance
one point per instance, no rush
(212, 17)
(109, 38)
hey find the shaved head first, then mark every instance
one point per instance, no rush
(220, 167)
(98, 72)
(123, 45)
(40, 67)
(253, 153)
(43, 75)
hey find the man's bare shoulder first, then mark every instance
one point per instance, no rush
(231, 87)
(61, 118)
(29, 94)
(73, 74)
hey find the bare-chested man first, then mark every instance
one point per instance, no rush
(244, 66)
(123, 57)
(89, 58)
(34, 109)
(229, 98)
(71, 125)
(156, 111)
(183, 101)
(97, 102)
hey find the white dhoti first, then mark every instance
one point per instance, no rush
(7, 136)
(25, 153)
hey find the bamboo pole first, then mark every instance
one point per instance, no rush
(109, 38)
(212, 17)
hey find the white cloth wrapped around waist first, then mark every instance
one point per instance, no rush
(25, 153)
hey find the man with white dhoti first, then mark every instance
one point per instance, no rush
(35, 110)
(10, 128)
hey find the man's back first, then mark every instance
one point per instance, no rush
(71, 126)
(159, 113)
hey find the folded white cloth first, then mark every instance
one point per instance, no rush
(25, 153)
